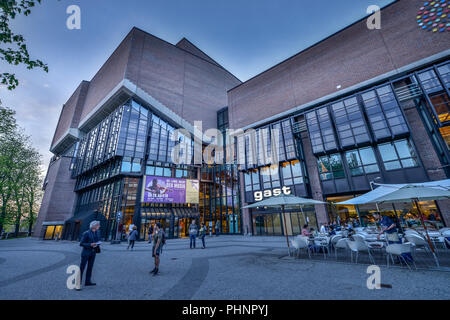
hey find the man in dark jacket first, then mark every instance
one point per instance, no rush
(90, 241)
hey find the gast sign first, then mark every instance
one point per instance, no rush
(259, 195)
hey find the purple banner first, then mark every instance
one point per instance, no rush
(164, 190)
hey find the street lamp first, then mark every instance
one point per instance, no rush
(118, 217)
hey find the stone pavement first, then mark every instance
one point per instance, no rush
(232, 267)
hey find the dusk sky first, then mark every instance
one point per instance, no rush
(244, 36)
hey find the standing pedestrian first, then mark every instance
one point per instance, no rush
(150, 233)
(193, 230)
(217, 227)
(132, 237)
(90, 241)
(203, 234)
(156, 250)
(163, 239)
(389, 228)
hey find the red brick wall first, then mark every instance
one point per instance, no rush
(71, 111)
(348, 58)
(59, 197)
(192, 87)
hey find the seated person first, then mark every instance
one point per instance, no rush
(305, 231)
(331, 231)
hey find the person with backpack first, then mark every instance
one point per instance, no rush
(193, 230)
(157, 245)
(132, 237)
(203, 235)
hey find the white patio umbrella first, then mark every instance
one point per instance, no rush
(283, 201)
(415, 192)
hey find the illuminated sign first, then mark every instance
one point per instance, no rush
(259, 195)
(170, 190)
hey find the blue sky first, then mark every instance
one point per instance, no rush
(244, 36)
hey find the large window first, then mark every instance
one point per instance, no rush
(350, 123)
(444, 72)
(270, 177)
(430, 81)
(133, 131)
(289, 141)
(330, 167)
(281, 150)
(292, 173)
(320, 130)
(362, 161)
(160, 143)
(384, 113)
(398, 154)
(240, 148)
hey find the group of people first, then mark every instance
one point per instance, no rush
(387, 227)
(90, 241)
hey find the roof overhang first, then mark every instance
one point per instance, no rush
(120, 95)
(67, 139)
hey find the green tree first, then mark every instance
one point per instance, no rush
(9, 148)
(13, 48)
(33, 196)
(19, 174)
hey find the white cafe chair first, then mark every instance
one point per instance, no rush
(398, 250)
(358, 246)
(301, 243)
(418, 242)
(340, 244)
(334, 239)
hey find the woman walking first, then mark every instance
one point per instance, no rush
(132, 237)
(203, 234)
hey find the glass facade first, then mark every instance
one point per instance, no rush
(112, 158)
(383, 111)
(350, 123)
(362, 161)
(354, 140)
(435, 107)
(398, 154)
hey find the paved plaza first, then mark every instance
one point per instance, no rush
(232, 267)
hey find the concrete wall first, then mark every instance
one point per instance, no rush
(348, 58)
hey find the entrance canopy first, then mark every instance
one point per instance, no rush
(284, 200)
(435, 190)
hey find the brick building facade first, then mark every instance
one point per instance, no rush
(360, 106)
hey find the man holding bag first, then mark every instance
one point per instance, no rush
(90, 241)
